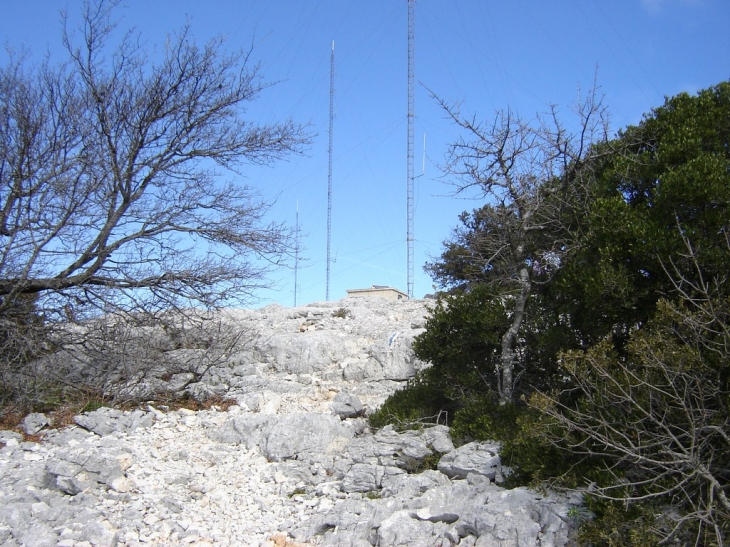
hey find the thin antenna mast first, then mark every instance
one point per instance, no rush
(296, 254)
(411, 116)
(423, 165)
(329, 175)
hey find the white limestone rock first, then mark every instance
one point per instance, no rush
(478, 458)
(34, 422)
(280, 460)
(346, 406)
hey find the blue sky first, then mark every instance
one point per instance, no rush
(523, 55)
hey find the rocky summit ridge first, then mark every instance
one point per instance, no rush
(292, 463)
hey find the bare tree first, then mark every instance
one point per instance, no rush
(530, 173)
(170, 357)
(120, 175)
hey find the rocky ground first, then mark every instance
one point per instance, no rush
(293, 462)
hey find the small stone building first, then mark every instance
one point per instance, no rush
(382, 291)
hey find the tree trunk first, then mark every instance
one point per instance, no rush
(509, 340)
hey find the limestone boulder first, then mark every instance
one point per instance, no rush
(34, 422)
(473, 458)
(105, 421)
(287, 436)
(346, 405)
(303, 435)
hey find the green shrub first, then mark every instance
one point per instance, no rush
(415, 465)
(419, 402)
(657, 415)
(463, 343)
(92, 405)
(616, 525)
(520, 430)
(483, 419)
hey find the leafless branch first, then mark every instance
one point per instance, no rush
(530, 172)
(659, 415)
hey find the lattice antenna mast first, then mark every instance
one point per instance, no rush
(411, 118)
(329, 173)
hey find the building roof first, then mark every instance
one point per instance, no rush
(376, 289)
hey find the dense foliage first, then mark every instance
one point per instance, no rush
(622, 370)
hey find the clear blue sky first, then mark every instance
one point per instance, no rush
(523, 55)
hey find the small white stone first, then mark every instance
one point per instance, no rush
(38, 509)
(159, 415)
(164, 530)
(168, 434)
(121, 484)
(150, 519)
(125, 461)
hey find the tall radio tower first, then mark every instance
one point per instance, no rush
(411, 117)
(296, 255)
(329, 175)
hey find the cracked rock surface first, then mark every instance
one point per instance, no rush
(294, 457)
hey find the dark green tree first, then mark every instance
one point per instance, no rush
(647, 289)
(463, 343)
(624, 341)
(657, 417)
(666, 179)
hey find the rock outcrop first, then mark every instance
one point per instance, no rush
(294, 458)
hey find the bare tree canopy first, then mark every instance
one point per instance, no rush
(112, 186)
(530, 174)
